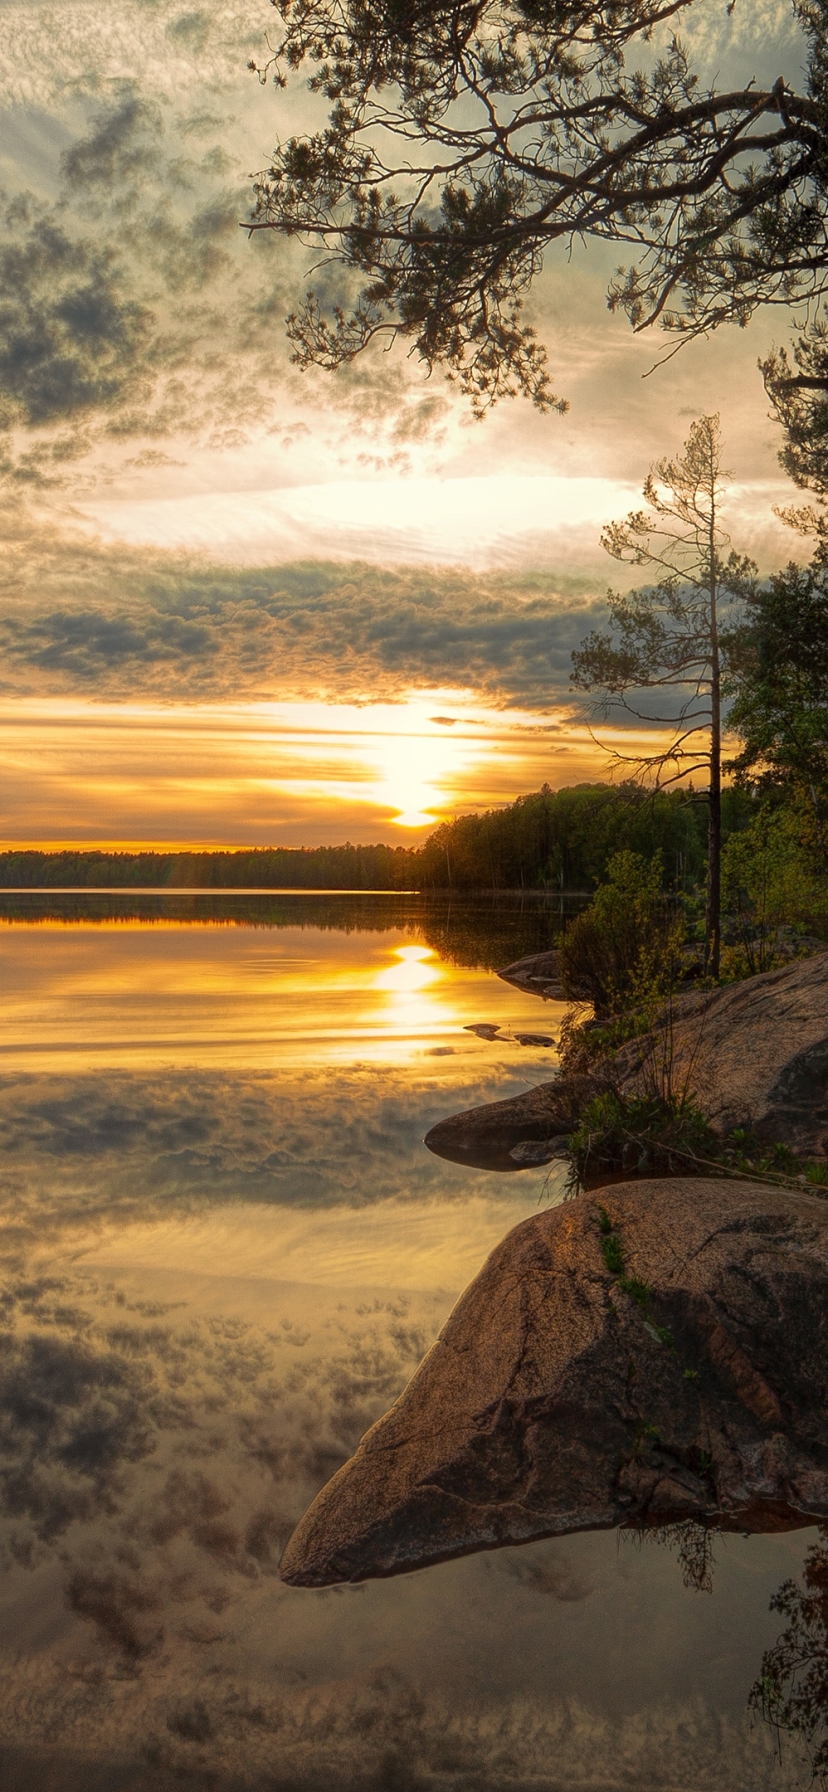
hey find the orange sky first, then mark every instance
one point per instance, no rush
(234, 597)
(258, 774)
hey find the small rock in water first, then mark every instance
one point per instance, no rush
(536, 974)
(485, 1029)
(534, 1039)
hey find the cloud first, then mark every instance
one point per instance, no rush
(124, 622)
(133, 308)
(158, 1461)
(124, 1148)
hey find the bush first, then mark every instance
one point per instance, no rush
(623, 951)
(770, 885)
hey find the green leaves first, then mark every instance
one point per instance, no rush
(779, 680)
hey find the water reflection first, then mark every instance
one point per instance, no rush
(224, 1250)
(192, 992)
(791, 1692)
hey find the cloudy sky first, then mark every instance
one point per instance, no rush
(235, 598)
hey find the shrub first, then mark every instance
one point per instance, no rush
(769, 884)
(623, 951)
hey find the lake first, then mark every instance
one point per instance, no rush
(225, 1250)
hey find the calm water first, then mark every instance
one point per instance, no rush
(225, 1249)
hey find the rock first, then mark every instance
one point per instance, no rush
(544, 1039)
(485, 1138)
(686, 1380)
(485, 1029)
(537, 975)
(754, 1054)
(532, 1152)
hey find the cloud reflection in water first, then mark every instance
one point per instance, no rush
(215, 1277)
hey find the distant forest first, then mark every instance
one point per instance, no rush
(549, 840)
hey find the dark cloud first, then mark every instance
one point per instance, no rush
(123, 142)
(129, 304)
(70, 341)
(176, 629)
(133, 307)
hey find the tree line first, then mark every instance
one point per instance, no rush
(551, 839)
(259, 868)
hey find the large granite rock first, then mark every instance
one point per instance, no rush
(754, 1054)
(645, 1354)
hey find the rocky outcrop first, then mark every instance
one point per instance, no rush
(537, 975)
(650, 1353)
(754, 1054)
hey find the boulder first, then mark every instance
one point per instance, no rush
(652, 1353)
(754, 1054)
(537, 975)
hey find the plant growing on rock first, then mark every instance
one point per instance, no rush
(628, 1136)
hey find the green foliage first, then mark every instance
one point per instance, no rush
(771, 883)
(622, 953)
(779, 681)
(626, 1136)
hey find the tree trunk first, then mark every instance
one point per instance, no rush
(713, 915)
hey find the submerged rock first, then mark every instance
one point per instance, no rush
(646, 1354)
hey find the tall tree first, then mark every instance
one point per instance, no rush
(665, 637)
(464, 137)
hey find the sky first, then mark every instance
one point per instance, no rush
(244, 605)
